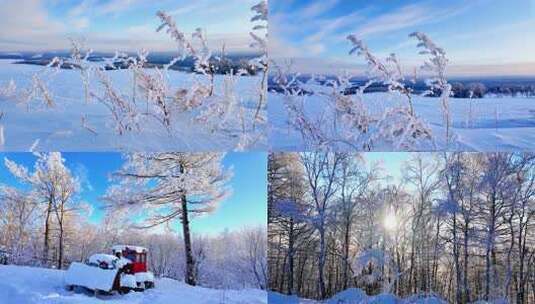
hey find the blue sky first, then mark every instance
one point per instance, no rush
(390, 162)
(126, 25)
(246, 206)
(393, 164)
(479, 36)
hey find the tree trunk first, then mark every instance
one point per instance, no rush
(466, 290)
(490, 249)
(190, 262)
(60, 218)
(458, 293)
(46, 244)
(346, 254)
(60, 255)
(321, 260)
(291, 259)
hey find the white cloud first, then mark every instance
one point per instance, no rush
(317, 8)
(117, 6)
(80, 9)
(185, 9)
(33, 29)
(80, 23)
(25, 23)
(409, 16)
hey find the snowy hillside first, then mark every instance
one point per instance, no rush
(353, 296)
(28, 285)
(72, 124)
(487, 124)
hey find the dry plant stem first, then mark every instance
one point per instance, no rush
(261, 98)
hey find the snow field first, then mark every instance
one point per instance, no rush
(486, 124)
(60, 128)
(29, 285)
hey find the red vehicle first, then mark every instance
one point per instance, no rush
(123, 271)
(138, 267)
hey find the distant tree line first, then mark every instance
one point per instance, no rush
(459, 89)
(220, 65)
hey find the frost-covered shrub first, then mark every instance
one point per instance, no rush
(9, 89)
(124, 114)
(374, 268)
(38, 90)
(346, 120)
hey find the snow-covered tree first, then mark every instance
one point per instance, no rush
(55, 188)
(320, 173)
(171, 187)
(17, 223)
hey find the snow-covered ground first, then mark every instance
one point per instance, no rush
(503, 124)
(60, 128)
(353, 296)
(29, 285)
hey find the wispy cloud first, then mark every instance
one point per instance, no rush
(110, 25)
(409, 16)
(117, 6)
(317, 8)
(186, 9)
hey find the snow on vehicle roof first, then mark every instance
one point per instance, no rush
(100, 257)
(89, 276)
(137, 249)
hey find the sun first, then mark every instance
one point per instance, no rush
(390, 221)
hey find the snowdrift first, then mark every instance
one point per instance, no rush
(354, 296)
(31, 285)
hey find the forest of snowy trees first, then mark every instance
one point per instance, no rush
(45, 222)
(458, 226)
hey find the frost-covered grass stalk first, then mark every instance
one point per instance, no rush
(262, 62)
(9, 89)
(123, 113)
(388, 72)
(350, 123)
(436, 64)
(309, 127)
(79, 60)
(39, 91)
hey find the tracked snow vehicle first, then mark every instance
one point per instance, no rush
(122, 272)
